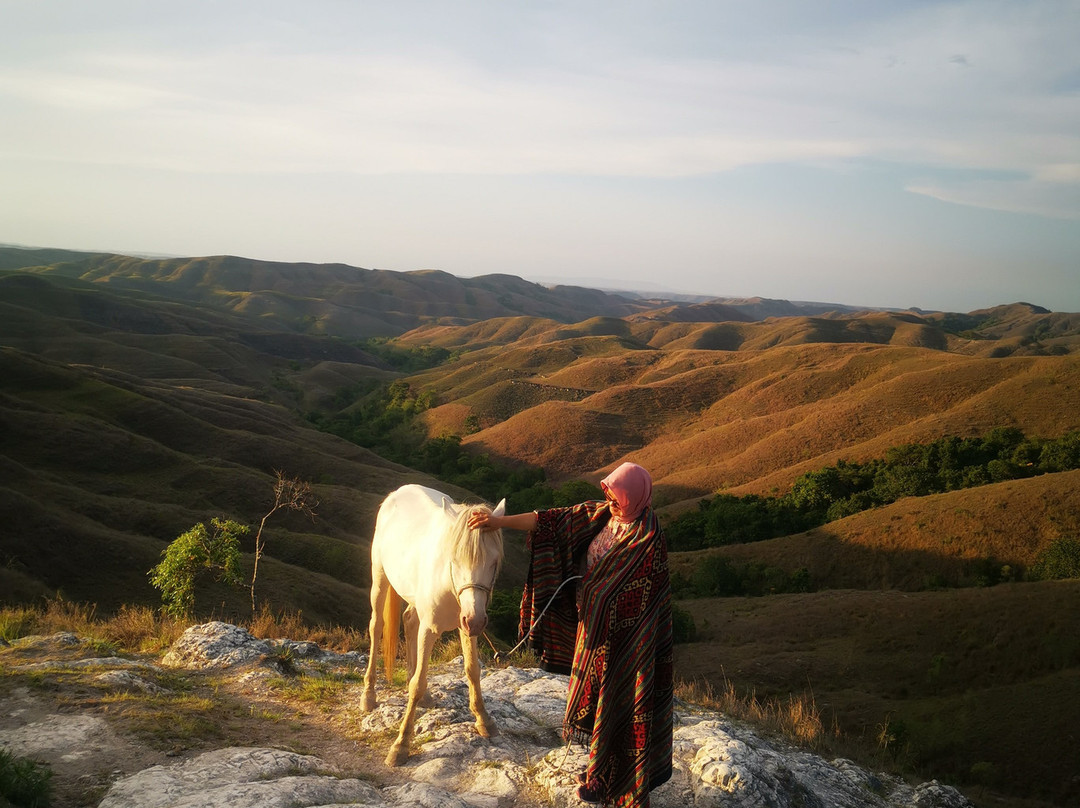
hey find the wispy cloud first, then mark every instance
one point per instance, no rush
(885, 93)
(972, 102)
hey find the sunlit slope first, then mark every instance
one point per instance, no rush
(950, 539)
(749, 420)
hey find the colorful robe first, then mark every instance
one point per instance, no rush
(618, 654)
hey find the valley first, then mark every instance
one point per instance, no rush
(139, 397)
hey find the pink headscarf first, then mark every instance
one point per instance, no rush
(631, 486)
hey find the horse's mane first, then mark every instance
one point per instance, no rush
(472, 548)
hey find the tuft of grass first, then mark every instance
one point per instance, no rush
(270, 625)
(140, 629)
(796, 719)
(23, 782)
(321, 690)
(17, 622)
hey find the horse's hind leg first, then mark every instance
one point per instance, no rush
(484, 725)
(399, 750)
(379, 592)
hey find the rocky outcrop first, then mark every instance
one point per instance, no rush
(717, 762)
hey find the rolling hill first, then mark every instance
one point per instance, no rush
(138, 397)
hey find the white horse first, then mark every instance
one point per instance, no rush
(424, 554)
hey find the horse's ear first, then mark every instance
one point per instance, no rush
(500, 509)
(448, 507)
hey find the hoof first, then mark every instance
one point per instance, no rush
(488, 730)
(398, 754)
(367, 701)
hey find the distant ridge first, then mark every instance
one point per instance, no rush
(347, 301)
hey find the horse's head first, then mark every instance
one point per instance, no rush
(474, 564)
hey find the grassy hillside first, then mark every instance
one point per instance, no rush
(140, 397)
(747, 420)
(326, 299)
(127, 418)
(943, 540)
(976, 686)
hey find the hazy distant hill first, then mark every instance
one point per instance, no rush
(330, 299)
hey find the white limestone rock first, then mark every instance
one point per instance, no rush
(240, 778)
(215, 645)
(716, 762)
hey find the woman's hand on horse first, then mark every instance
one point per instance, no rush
(482, 520)
(486, 521)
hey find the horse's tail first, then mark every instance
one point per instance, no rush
(391, 627)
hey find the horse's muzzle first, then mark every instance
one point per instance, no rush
(473, 626)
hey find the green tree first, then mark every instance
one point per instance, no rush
(1060, 559)
(216, 551)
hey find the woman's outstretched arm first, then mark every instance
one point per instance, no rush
(487, 521)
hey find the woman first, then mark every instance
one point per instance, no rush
(612, 635)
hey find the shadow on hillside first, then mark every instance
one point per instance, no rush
(827, 559)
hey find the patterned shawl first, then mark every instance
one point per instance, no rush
(620, 655)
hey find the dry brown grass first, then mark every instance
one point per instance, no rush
(749, 420)
(142, 630)
(795, 718)
(975, 686)
(268, 624)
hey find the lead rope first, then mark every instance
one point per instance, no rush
(498, 655)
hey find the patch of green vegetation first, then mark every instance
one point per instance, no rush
(382, 420)
(16, 622)
(718, 577)
(197, 550)
(683, 628)
(503, 613)
(910, 470)
(1060, 559)
(316, 689)
(406, 358)
(23, 782)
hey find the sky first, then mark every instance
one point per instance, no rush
(907, 153)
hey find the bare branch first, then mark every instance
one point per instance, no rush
(290, 493)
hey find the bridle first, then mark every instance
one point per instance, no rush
(458, 590)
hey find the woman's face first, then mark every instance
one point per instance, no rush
(616, 508)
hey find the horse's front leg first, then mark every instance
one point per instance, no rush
(379, 594)
(484, 725)
(399, 750)
(412, 634)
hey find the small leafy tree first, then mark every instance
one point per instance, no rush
(291, 494)
(198, 550)
(1060, 559)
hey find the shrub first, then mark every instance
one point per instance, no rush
(683, 628)
(1060, 559)
(198, 550)
(23, 782)
(503, 613)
